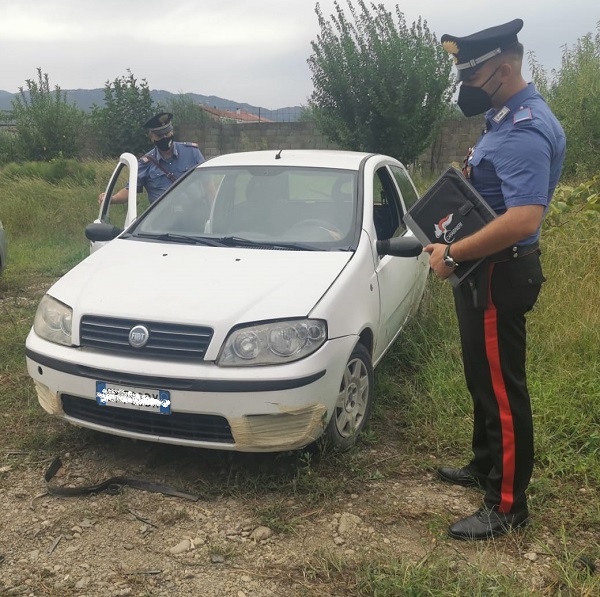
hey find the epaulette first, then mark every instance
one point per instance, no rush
(522, 114)
(144, 159)
(190, 144)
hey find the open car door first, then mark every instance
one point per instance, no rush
(127, 160)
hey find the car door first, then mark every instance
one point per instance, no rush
(126, 161)
(396, 275)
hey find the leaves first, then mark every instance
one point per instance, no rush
(573, 93)
(379, 85)
(118, 125)
(48, 127)
(569, 200)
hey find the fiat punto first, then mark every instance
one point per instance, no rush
(244, 310)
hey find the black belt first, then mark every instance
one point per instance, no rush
(514, 252)
(111, 486)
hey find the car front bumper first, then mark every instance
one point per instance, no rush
(250, 409)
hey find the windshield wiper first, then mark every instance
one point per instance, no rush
(181, 238)
(238, 241)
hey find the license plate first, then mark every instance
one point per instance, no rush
(155, 401)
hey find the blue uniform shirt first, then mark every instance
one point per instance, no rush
(519, 156)
(185, 156)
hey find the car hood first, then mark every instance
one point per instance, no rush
(198, 285)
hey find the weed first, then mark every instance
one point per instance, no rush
(422, 413)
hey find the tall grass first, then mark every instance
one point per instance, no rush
(422, 401)
(423, 380)
(44, 208)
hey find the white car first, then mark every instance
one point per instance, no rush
(244, 310)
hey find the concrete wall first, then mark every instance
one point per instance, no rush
(214, 138)
(451, 144)
(220, 138)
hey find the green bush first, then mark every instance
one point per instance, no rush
(47, 127)
(379, 85)
(118, 125)
(185, 111)
(569, 200)
(573, 93)
(9, 147)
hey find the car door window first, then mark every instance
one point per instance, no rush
(387, 208)
(409, 193)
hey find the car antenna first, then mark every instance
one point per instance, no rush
(278, 156)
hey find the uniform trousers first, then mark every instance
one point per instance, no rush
(493, 341)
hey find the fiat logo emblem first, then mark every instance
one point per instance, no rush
(138, 336)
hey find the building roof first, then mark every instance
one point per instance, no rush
(237, 115)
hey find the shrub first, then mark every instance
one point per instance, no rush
(118, 125)
(47, 127)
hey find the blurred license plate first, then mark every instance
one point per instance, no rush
(154, 401)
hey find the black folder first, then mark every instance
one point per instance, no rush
(448, 211)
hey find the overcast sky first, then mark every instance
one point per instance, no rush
(242, 50)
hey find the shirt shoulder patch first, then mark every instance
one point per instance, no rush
(522, 114)
(144, 160)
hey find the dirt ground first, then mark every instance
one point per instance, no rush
(263, 525)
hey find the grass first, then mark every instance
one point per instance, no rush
(423, 413)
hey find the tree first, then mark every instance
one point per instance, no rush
(378, 85)
(573, 93)
(185, 110)
(118, 125)
(47, 126)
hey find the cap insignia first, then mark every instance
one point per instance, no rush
(451, 47)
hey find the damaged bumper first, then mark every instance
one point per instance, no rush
(252, 409)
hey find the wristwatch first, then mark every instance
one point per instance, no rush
(448, 261)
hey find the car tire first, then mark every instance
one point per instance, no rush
(354, 402)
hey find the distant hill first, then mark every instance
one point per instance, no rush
(86, 98)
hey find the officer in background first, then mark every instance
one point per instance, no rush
(515, 165)
(163, 165)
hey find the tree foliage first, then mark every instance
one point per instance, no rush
(378, 84)
(573, 93)
(186, 112)
(48, 127)
(118, 124)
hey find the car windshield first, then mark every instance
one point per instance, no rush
(257, 206)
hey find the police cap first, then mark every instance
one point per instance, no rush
(471, 51)
(160, 124)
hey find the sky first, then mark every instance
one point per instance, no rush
(242, 50)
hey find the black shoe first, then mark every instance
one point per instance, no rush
(486, 524)
(459, 476)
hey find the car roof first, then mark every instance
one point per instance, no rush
(318, 158)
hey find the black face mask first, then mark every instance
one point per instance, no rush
(474, 100)
(164, 143)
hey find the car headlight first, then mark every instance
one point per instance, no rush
(53, 321)
(273, 343)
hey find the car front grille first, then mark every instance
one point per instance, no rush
(165, 340)
(205, 428)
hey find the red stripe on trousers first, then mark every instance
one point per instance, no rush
(492, 349)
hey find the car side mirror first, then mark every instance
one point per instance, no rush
(402, 246)
(100, 231)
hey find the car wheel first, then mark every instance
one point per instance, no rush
(354, 401)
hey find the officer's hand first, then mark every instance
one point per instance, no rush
(436, 260)
(101, 197)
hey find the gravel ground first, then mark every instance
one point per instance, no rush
(149, 544)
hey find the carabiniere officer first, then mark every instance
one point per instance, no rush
(164, 164)
(515, 165)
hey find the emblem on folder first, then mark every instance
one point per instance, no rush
(442, 228)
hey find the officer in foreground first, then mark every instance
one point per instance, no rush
(515, 165)
(162, 166)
